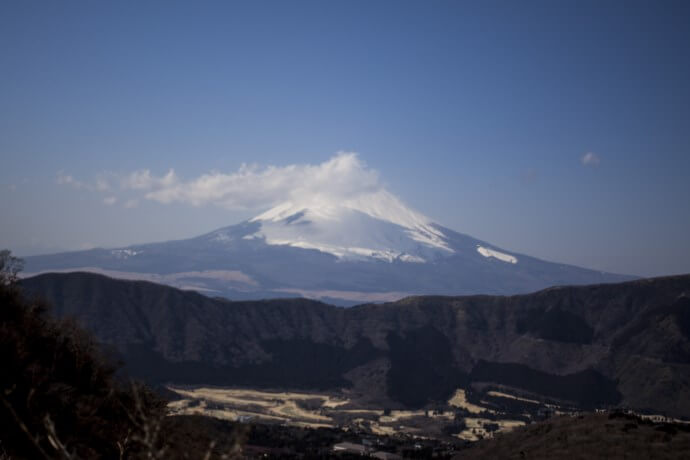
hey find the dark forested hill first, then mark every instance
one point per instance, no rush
(615, 344)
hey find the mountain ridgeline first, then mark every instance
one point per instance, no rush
(625, 344)
(369, 249)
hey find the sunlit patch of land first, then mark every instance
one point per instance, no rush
(343, 410)
(375, 412)
(239, 404)
(500, 394)
(459, 399)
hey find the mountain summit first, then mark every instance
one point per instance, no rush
(375, 225)
(346, 249)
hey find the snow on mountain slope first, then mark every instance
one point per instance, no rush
(347, 248)
(373, 225)
(486, 252)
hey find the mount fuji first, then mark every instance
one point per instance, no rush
(369, 247)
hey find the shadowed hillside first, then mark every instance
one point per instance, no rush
(592, 436)
(603, 345)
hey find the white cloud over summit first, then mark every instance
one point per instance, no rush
(252, 186)
(343, 176)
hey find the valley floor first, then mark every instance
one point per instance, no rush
(612, 435)
(459, 419)
(484, 422)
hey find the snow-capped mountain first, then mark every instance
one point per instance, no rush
(375, 225)
(369, 247)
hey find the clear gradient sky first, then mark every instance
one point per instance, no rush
(556, 129)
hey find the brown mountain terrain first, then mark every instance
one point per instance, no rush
(621, 344)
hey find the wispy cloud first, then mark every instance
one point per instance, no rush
(62, 178)
(144, 180)
(253, 186)
(100, 183)
(590, 159)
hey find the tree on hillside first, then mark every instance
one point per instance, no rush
(10, 267)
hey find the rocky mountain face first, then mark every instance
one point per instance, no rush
(625, 344)
(368, 249)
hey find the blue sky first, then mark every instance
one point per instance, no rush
(478, 114)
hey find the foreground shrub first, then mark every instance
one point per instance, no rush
(59, 396)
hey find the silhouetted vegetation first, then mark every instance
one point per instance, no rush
(59, 397)
(10, 266)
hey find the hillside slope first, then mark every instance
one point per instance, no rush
(591, 436)
(616, 344)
